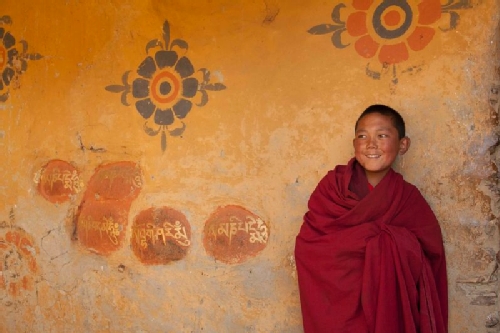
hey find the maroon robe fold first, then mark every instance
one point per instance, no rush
(370, 262)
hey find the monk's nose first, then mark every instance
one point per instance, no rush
(372, 143)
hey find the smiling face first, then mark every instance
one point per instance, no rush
(377, 144)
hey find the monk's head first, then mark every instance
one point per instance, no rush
(379, 139)
(397, 120)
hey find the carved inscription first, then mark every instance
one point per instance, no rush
(18, 265)
(160, 235)
(103, 214)
(232, 234)
(58, 181)
(101, 226)
(107, 226)
(116, 181)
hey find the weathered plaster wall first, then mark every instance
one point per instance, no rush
(85, 168)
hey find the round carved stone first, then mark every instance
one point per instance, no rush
(232, 234)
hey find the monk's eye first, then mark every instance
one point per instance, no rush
(383, 136)
(361, 136)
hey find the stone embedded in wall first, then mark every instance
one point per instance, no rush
(160, 235)
(115, 181)
(101, 225)
(18, 267)
(58, 181)
(103, 214)
(232, 234)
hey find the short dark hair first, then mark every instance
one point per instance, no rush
(397, 119)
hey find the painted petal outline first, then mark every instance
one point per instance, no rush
(362, 4)
(189, 87)
(366, 46)
(420, 38)
(8, 40)
(165, 58)
(356, 24)
(164, 117)
(7, 75)
(429, 11)
(184, 67)
(182, 108)
(147, 68)
(145, 107)
(393, 54)
(11, 54)
(140, 88)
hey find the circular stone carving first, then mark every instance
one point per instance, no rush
(58, 180)
(232, 234)
(160, 235)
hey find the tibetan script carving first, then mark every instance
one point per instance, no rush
(102, 217)
(58, 181)
(160, 235)
(232, 234)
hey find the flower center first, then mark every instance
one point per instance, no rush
(391, 21)
(392, 18)
(165, 87)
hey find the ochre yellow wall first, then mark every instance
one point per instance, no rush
(280, 114)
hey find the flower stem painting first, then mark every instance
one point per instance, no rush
(165, 87)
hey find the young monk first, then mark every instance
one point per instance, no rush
(370, 256)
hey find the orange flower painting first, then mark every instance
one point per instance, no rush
(389, 31)
(18, 266)
(13, 58)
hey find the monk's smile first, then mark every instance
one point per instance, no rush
(376, 145)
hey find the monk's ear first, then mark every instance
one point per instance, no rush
(404, 145)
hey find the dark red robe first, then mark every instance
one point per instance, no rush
(370, 261)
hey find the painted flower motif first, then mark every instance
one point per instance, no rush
(18, 265)
(8, 53)
(13, 59)
(390, 28)
(164, 87)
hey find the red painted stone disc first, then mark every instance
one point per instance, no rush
(233, 234)
(160, 235)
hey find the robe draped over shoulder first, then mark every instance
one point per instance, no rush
(370, 262)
